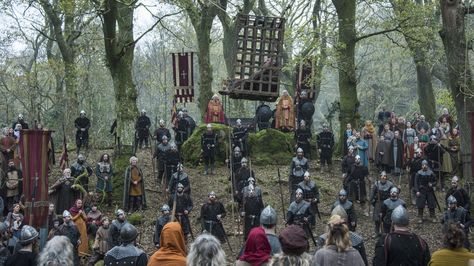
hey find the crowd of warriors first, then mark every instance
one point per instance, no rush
(427, 154)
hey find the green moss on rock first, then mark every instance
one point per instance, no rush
(135, 218)
(271, 146)
(268, 146)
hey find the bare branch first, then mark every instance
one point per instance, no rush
(397, 28)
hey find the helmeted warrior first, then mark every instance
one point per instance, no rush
(388, 206)
(356, 240)
(303, 139)
(184, 205)
(348, 161)
(179, 177)
(299, 212)
(160, 154)
(325, 141)
(425, 180)
(209, 148)
(81, 171)
(82, 124)
(191, 122)
(268, 220)
(397, 150)
(310, 194)
(401, 247)
(348, 134)
(415, 166)
(14, 184)
(127, 253)
(305, 108)
(66, 193)
(240, 180)
(299, 165)
(161, 131)
(27, 254)
(434, 154)
(142, 127)
(104, 173)
(70, 230)
(173, 157)
(457, 215)
(239, 137)
(252, 206)
(380, 192)
(182, 130)
(160, 223)
(348, 207)
(235, 161)
(115, 227)
(459, 193)
(356, 183)
(212, 213)
(21, 121)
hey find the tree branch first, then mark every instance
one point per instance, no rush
(468, 10)
(376, 33)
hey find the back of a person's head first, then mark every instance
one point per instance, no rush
(282, 259)
(454, 236)
(338, 234)
(57, 252)
(206, 251)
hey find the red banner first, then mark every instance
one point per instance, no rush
(34, 146)
(183, 76)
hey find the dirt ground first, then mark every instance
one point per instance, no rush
(267, 179)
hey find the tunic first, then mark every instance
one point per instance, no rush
(135, 190)
(209, 212)
(215, 112)
(66, 195)
(285, 113)
(401, 248)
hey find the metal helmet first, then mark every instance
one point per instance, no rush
(66, 213)
(302, 123)
(452, 200)
(342, 192)
(164, 138)
(209, 126)
(143, 111)
(357, 158)
(306, 174)
(82, 112)
(179, 166)
(119, 212)
(180, 185)
(81, 157)
(351, 148)
(162, 122)
(173, 146)
(455, 179)
(20, 116)
(128, 233)
(400, 216)
(383, 173)
(424, 162)
(28, 235)
(3, 227)
(238, 122)
(299, 150)
(394, 190)
(339, 210)
(165, 207)
(244, 160)
(268, 216)
(212, 193)
(237, 149)
(299, 191)
(251, 179)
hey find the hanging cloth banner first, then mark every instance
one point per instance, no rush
(304, 78)
(183, 76)
(34, 146)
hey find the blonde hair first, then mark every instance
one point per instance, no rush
(338, 234)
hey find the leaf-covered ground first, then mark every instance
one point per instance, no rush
(267, 179)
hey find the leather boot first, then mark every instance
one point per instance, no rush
(433, 216)
(420, 215)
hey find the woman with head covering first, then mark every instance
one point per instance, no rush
(257, 249)
(206, 250)
(338, 248)
(453, 252)
(78, 216)
(294, 245)
(172, 250)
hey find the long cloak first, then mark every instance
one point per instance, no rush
(126, 187)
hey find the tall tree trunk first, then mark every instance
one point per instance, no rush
(426, 98)
(346, 64)
(459, 72)
(203, 33)
(119, 51)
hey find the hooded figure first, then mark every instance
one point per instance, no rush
(257, 249)
(172, 250)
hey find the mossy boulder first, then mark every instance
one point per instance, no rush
(271, 146)
(135, 218)
(191, 149)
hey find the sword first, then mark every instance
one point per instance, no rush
(189, 225)
(306, 225)
(436, 200)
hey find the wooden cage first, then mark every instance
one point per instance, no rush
(257, 59)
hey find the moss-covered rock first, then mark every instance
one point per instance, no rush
(271, 146)
(135, 218)
(191, 149)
